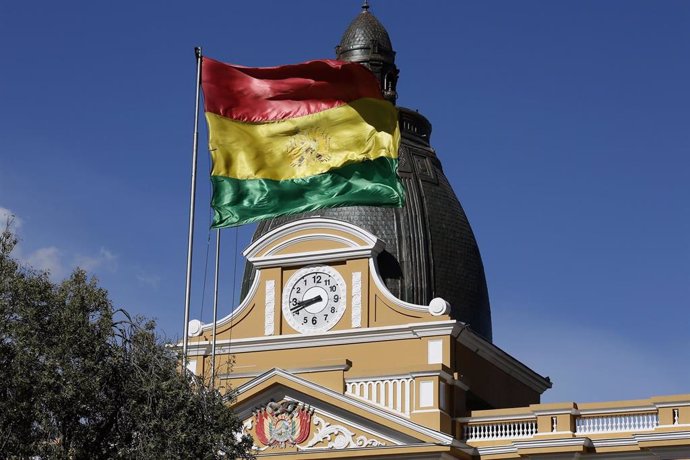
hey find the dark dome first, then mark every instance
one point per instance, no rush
(365, 36)
(430, 248)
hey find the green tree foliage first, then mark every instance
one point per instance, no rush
(80, 380)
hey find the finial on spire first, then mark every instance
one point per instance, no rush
(365, 6)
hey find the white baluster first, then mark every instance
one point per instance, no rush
(398, 397)
(389, 393)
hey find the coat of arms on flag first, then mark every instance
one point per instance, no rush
(284, 423)
(297, 138)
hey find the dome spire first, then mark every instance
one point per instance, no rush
(366, 41)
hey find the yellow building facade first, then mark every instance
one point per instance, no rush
(327, 363)
(366, 333)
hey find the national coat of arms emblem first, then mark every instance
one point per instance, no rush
(284, 423)
(309, 147)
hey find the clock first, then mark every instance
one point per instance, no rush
(314, 299)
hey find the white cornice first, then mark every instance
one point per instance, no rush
(615, 410)
(503, 360)
(312, 257)
(298, 370)
(438, 436)
(667, 436)
(614, 442)
(547, 412)
(680, 403)
(553, 443)
(340, 337)
(497, 418)
(496, 450)
(434, 373)
(371, 241)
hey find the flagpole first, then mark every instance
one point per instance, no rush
(192, 197)
(215, 310)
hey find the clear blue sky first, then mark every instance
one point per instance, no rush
(564, 128)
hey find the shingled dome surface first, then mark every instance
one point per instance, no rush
(364, 33)
(430, 247)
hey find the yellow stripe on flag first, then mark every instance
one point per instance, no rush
(293, 148)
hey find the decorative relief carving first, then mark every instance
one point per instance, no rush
(269, 311)
(439, 306)
(424, 169)
(403, 160)
(246, 427)
(357, 299)
(284, 423)
(337, 437)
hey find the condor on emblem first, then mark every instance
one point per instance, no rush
(309, 147)
(284, 423)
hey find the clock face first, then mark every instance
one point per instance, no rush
(314, 299)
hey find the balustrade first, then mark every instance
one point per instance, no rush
(616, 423)
(394, 394)
(507, 430)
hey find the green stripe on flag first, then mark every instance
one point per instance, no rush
(369, 183)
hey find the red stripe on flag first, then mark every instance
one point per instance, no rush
(257, 94)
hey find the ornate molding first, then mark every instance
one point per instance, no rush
(357, 299)
(246, 426)
(282, 424)
(269, 321)
(336, 437)
(267, 245)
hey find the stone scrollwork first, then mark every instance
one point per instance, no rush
(336, 437)
(246, 426)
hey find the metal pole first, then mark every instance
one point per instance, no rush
(215, 310)
(192, 197)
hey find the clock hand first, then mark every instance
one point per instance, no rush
(305, 303)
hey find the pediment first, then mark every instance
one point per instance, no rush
(310, 241)
(279, 404)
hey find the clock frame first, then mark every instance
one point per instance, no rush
(314, 299)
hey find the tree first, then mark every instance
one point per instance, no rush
(80, 379)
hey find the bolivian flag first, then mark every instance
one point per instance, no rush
(291, 139)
